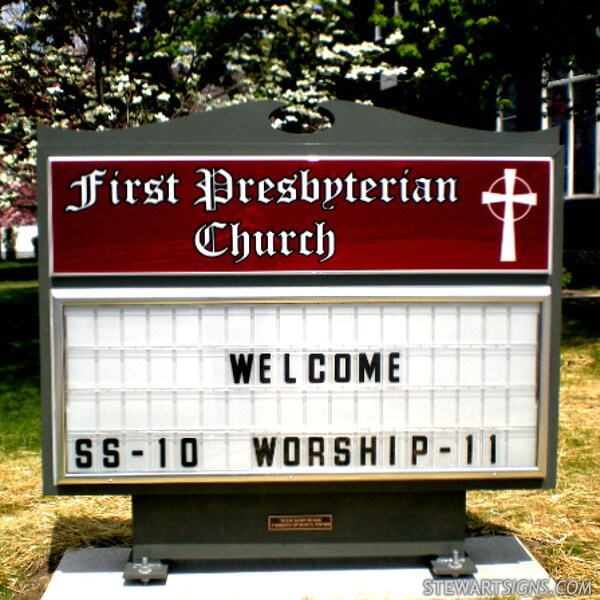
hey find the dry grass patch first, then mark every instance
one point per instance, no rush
(36, 530)
(562, 526)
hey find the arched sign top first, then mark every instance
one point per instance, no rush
(355, 124)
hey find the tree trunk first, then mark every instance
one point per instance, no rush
(99, 80)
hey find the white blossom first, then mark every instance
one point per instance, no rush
(394, 38)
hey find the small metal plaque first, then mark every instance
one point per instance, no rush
(300, 522)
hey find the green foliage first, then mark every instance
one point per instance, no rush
(454, 44)
(84, 64)
(410, 51)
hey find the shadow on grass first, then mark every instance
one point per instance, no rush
(76, 533)
(20, 421)
(21, 270)
(476, 527)
(19, 332)
(580, 320)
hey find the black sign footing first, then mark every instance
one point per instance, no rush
(303, 526)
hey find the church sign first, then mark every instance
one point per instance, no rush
(150, 214)
(284, 321)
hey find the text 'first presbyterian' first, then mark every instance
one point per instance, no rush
(219, 187)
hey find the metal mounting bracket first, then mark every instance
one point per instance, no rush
(454, 566)
(146, 571)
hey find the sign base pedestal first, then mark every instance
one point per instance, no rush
(299, 525)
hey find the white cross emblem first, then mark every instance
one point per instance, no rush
(509, 198)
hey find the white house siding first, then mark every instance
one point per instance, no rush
(24, 241)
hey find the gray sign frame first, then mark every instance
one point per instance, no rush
(246, 130)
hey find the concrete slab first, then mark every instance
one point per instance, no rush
(505, 567)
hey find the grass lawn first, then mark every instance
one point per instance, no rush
(561, 526)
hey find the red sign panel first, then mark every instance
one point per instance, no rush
(153, 215)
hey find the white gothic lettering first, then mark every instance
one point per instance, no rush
(217, 239)
(218, 186)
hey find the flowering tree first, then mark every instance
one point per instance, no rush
(88, 65)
